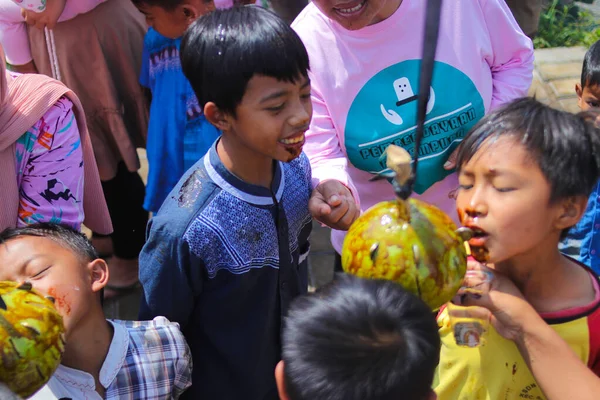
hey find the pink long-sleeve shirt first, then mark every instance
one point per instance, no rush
(13, 31)
(364, 84)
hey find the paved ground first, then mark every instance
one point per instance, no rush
(593, 7)
(556, 73)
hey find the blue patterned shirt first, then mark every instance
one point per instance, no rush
(147, 360)
(583, 241)
(224, 259)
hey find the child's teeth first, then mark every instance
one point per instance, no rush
(295, 140)
(350, 10)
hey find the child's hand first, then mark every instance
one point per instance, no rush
(451, 163)
(509, 309)
(47, 18)
(332, 204)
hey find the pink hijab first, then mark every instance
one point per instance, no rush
(23, 101)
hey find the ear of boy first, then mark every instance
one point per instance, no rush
(279, 378)
(190, 13)
(217, 117)
(99, 274)
(571, 211)
(579, 91)
(194, 9)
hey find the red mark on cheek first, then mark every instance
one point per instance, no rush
(60, 301)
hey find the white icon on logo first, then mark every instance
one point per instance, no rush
(403, 89)
(405, 94)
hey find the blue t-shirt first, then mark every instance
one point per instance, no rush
(178, 133)
(225, 259)
(583, 241)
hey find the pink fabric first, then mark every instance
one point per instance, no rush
(13, 30)
(31, 5)
(480, 43)
(23, 101)
(224, 3)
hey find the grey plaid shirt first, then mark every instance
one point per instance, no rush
(147, 360)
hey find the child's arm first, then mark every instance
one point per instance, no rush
(556, 368)
(335, 199)
(170, 274)
(511, 61)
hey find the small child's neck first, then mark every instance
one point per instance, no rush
(545, 278)
(88, 346)
(247, 165)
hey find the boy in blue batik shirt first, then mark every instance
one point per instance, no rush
(226, 253)
(583, 240)
(178, 133)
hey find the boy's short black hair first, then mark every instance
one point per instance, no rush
(166, 4)
(66, 237)
(565, 146)
(360, 339)
(590, 73)
(223, 50)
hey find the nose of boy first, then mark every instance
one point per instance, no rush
(301, 117)
(476, 207)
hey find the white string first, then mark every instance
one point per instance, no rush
(51, 45)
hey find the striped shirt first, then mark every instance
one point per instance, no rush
(147, 360)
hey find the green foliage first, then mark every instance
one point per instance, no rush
(566, 26)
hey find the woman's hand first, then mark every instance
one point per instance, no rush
(451, 163)
(332, 204)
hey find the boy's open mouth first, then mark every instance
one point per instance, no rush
(290, 141)
(477, 244)
(479, 236)
(348, 11)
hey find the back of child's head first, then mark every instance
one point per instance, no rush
(590, 73)
(360, 339)
(65, 237)
(566, 147)
(223, 50)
